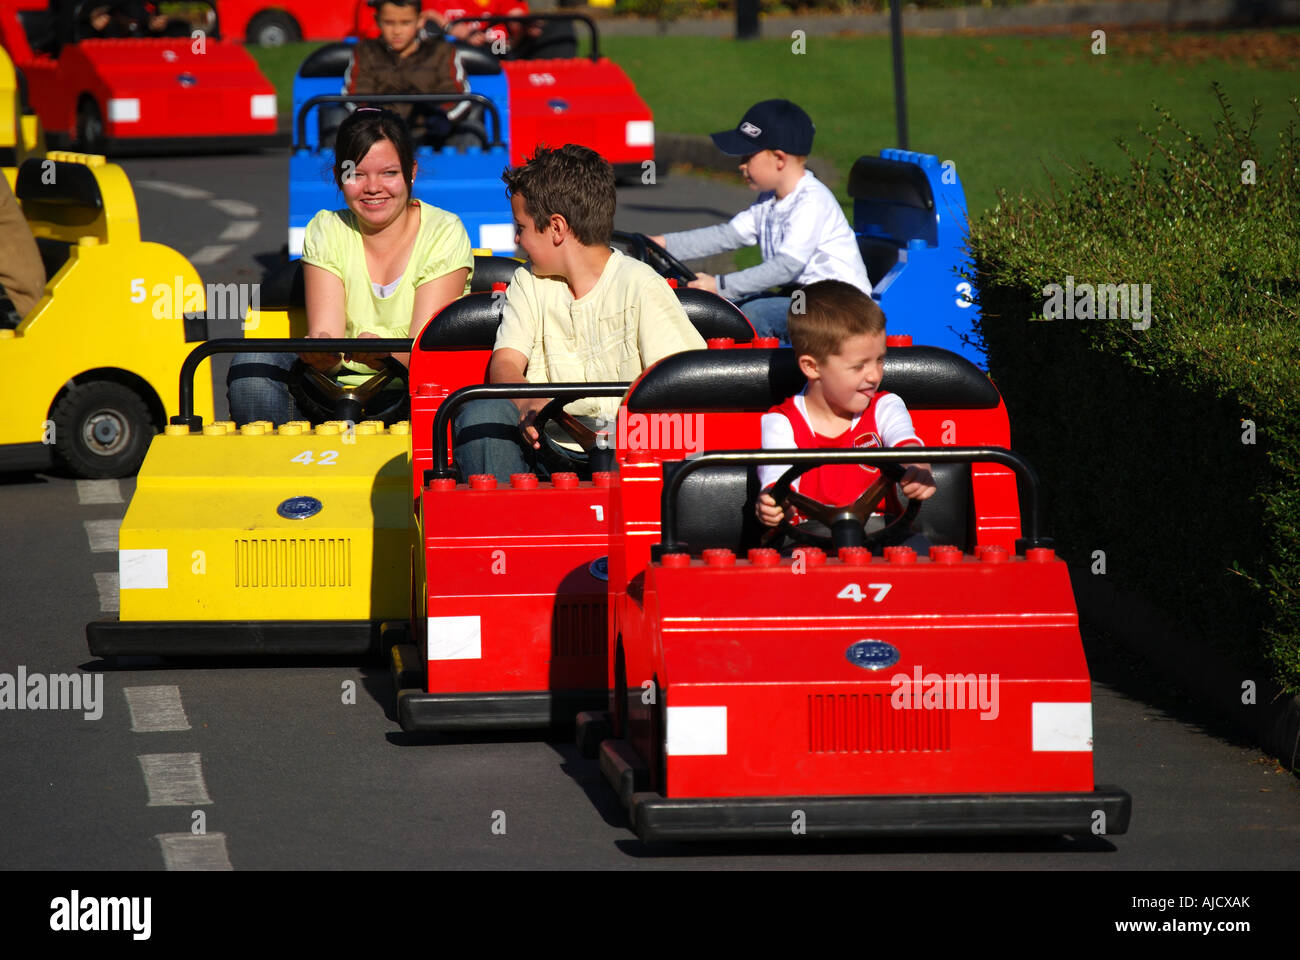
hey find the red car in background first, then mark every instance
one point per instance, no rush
(113, 74)
(273, 23)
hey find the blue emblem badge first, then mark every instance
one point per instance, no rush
(599, 568)
(299, 508)
(187, 79)
(872, 654)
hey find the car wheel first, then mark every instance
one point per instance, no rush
(90, 127)
(101, 430)
(271, 28)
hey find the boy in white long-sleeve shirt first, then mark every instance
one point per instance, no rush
(796, 221)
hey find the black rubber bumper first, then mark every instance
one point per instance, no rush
(225, 638)
(463, 712)
(657, 818)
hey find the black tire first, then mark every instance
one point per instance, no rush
(101, 430)
(273, 28)
(90, 126)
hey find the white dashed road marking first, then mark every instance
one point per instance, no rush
(102, 535)
(235, 208)
(210, 254)
(184, 851)
(156, 709)
(184, 191)
(106, 584)
(99, 491)
(174, 779)
(239, 230)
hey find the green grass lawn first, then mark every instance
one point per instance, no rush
(1005, 109)
(1001, 107)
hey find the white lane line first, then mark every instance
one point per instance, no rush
(156, 709)
(174, 779)
(99, 491)
(181, 190)
(235, 208)
(106, 584)
(102, 535)
(184, 851)
(211, 254)
(239, 230)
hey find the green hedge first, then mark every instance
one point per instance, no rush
(1139, 433)
(673, 9)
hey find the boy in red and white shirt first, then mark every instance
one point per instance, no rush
(839, 338)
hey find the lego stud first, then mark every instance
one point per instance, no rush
(290, 430)
(1040, 555)
(766, 343)
(946, 555)
(721, 343)
(330, 429)
(523, 481)
(675, 560)
(482, 481)
(812, 556)
(902, 556)
(252, 430)
(177, 430)
(401, 428)
(719, 557)
(898, 340)
(764, 557)
(564, 480)
(855, 556)
(672, 282)
(994, 554)
(442, 484)
(498, 287)
(214, 430)
(602, 478)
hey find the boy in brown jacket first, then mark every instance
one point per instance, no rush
(398, 62)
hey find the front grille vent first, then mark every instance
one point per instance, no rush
(578, 629)
(868, 723)
(307, 562)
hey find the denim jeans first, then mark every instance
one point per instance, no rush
(768, 315)
(486, 439)
(258, 388)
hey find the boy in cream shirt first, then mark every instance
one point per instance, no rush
(578, 311)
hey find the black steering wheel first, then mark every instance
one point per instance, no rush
(593, 444)
(343, 402)
(847, 523)
(664, 263)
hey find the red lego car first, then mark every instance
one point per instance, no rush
(833, 692)
(526, 649)
(113, 74)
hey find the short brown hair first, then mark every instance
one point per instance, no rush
(574, 181)
(832, 311)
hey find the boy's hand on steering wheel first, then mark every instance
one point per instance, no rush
(705, 281)
(529, 408)
(918, 482)
(768, 510)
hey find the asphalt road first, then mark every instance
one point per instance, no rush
(285, 773)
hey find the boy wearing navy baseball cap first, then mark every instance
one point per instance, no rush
(796, 221)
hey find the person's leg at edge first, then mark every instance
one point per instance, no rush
(768, 315)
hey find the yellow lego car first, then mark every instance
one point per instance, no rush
(99, 353)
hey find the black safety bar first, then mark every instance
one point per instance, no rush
(591, 24)
(506, 391)
(301, 124)
(809, 459)
(270, 345)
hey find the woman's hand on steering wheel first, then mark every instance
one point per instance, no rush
(375, 361)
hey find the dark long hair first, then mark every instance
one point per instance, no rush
(361, 131)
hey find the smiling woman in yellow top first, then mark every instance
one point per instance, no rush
(379, 268)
